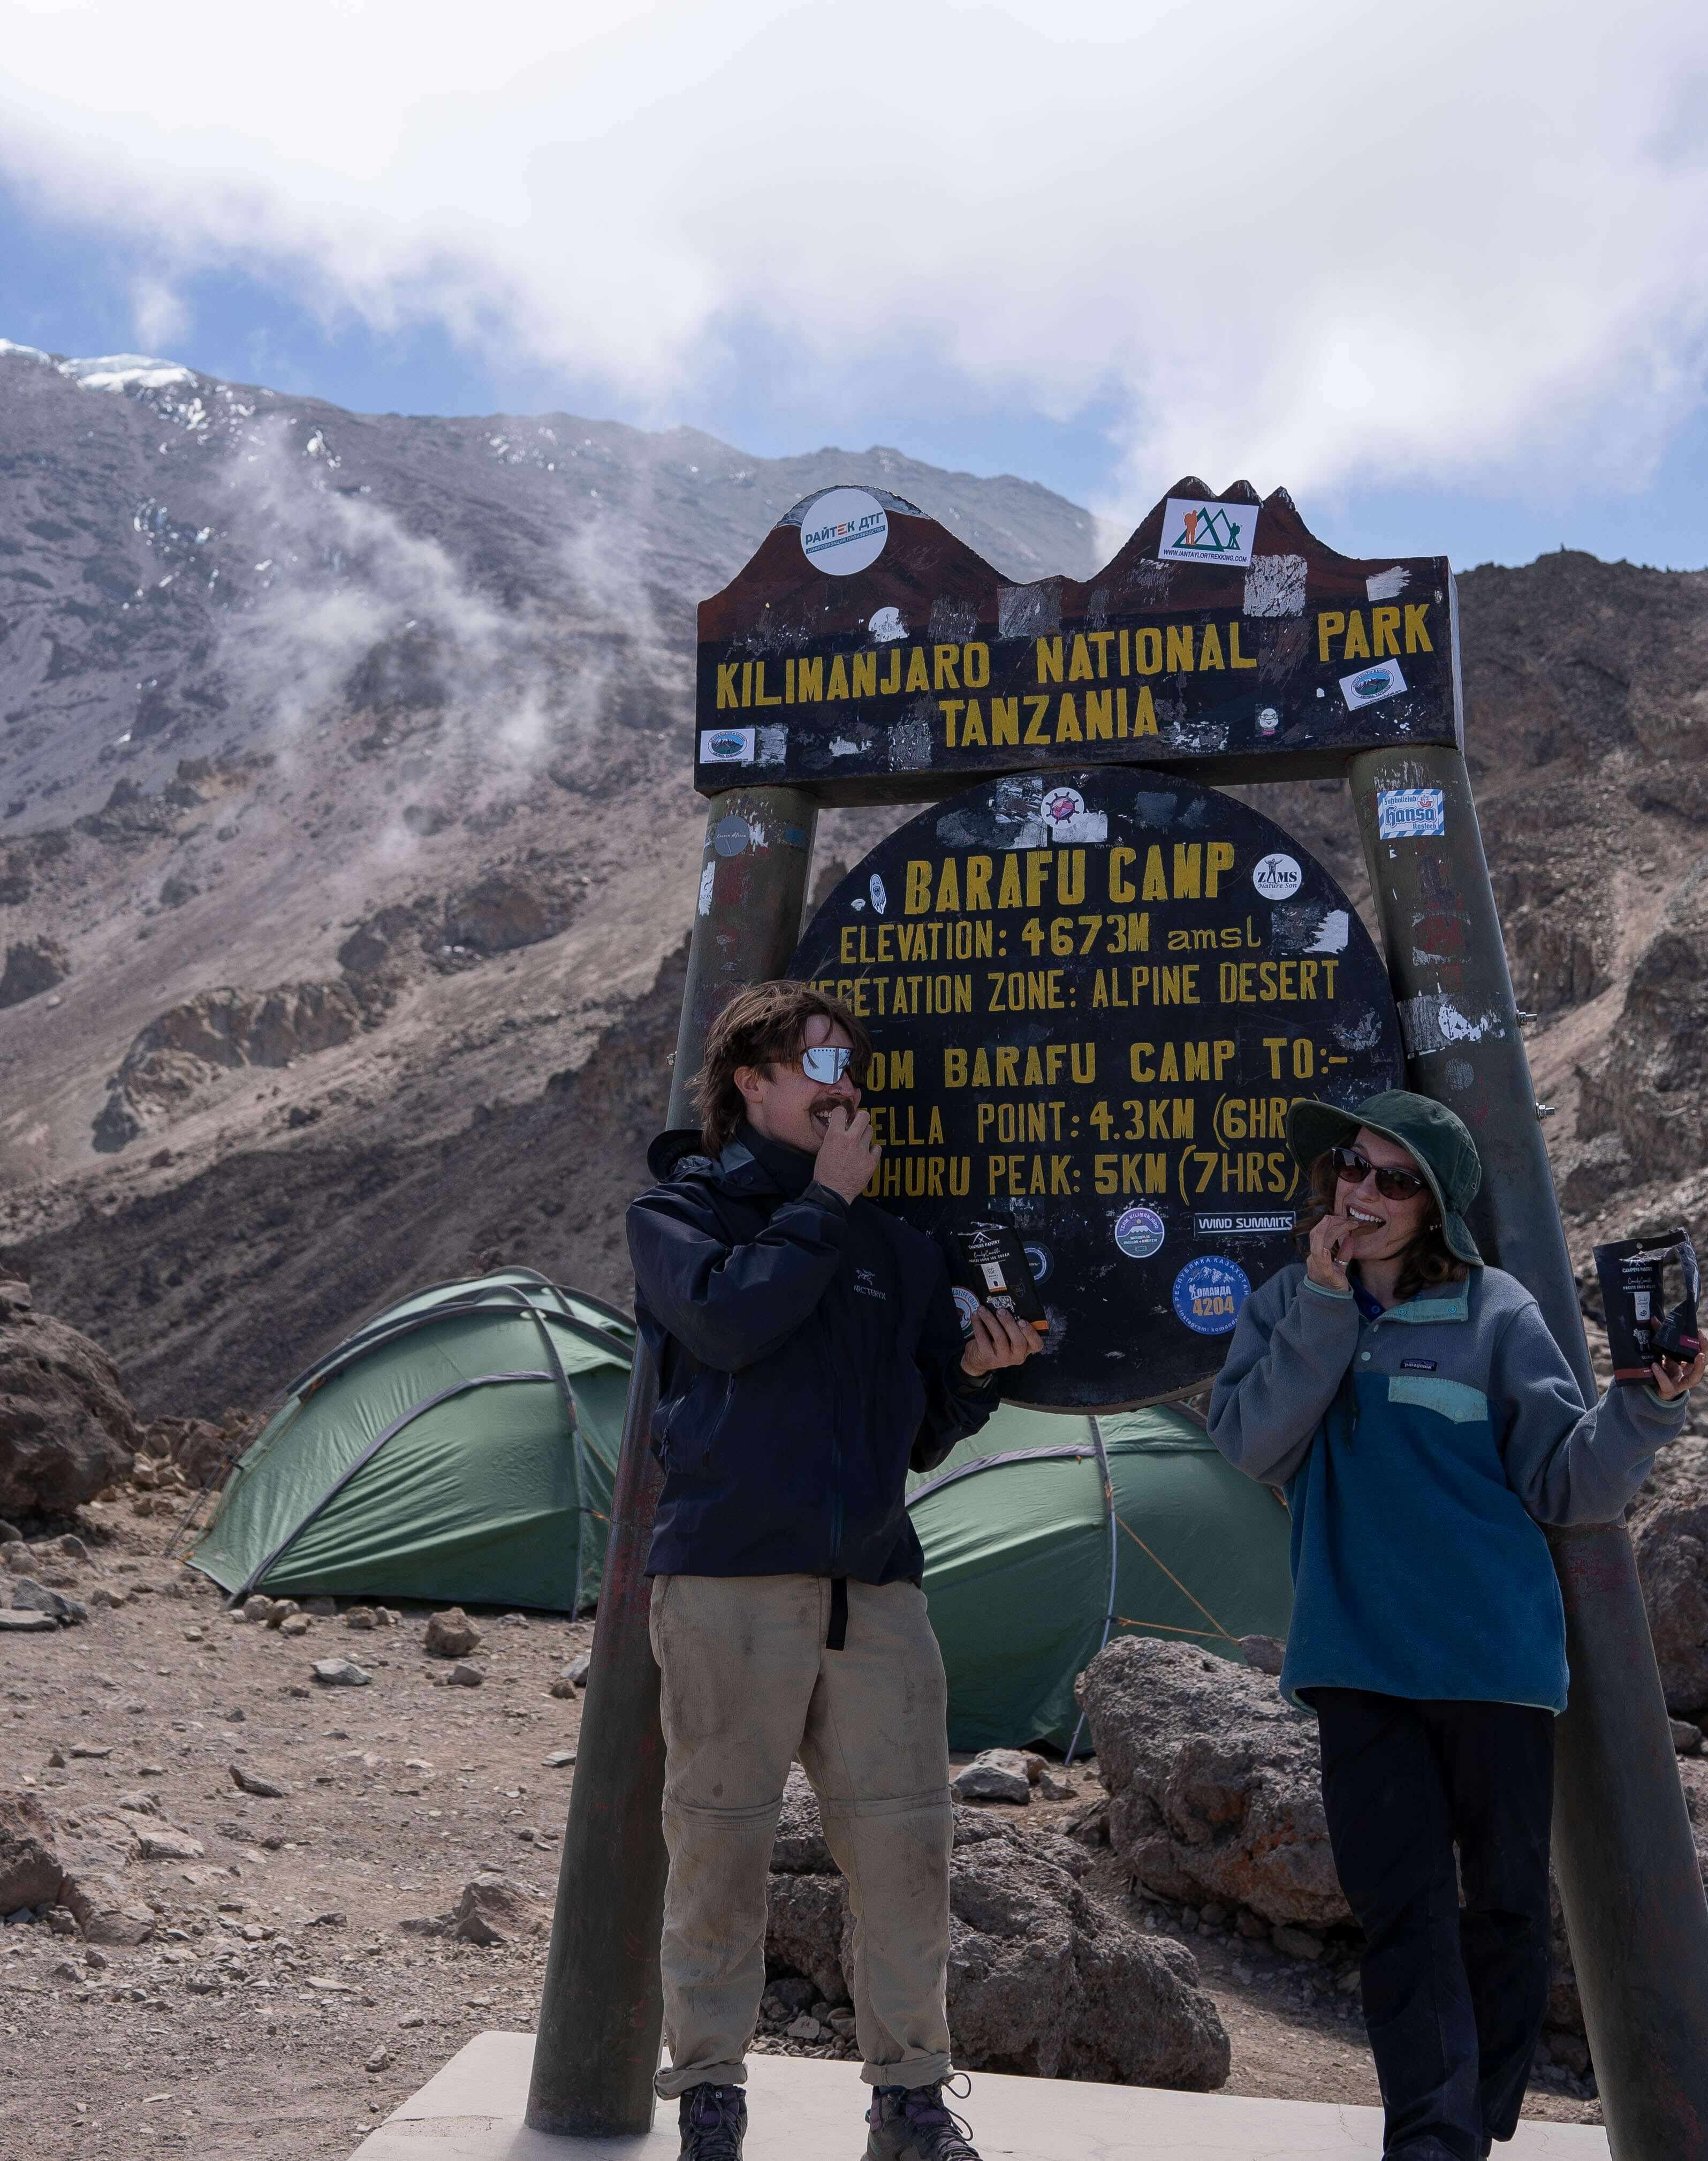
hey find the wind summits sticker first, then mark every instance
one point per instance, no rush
(1411, 813)
(1371, 685)
(726, 745)
(1277, 876)
(844, 531)
(1208, 1293)
(1208, 533)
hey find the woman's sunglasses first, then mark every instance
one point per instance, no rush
(1351, 1169)
(825, 1064)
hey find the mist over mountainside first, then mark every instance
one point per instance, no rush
(346, 844)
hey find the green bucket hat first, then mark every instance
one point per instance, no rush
(1440, 1143)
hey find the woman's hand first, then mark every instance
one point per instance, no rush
(997, 1340)
(1323, 1265)
(1672, 1377)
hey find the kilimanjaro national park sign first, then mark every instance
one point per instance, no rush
(1093, 994)
(867, 655)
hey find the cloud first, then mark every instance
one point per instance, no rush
(1327, 245)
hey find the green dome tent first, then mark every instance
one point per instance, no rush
(459, 1448)
(1047, 1535)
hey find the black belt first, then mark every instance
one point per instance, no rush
(836, 1635)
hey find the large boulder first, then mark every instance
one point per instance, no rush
(30, 1868)
(67, 1429)
(1214, 1781)
(32, 966)
(1671, 1536)
(1042, 1980)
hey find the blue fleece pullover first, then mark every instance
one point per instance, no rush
(1420, 1451)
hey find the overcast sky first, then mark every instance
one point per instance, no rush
(1440, 272)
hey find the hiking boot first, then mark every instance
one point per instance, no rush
(912, 2123)
(713, 2121)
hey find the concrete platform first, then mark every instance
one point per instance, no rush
(473, 2111)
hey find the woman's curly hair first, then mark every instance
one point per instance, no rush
(1427, 1261)
(761, 1026)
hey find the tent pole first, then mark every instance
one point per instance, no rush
(1114, 1565)
(601, 2013)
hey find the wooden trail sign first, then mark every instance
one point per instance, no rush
(867, 655)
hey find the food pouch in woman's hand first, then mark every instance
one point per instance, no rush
(1649, 1288)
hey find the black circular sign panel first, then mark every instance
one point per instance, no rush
(1093, 995)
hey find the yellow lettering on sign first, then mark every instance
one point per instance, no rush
(918, 889)
(1180, 648)
(1417, 639)
(1036, 710)
(1080, 661)
(1009, 891)
(1209, 648)
(1050, 660)
(975, 667)
(1067, 721)
(972, 728)
(1236, 659)
(866, 674)
(1005, 720)
(1357, 645)
(945, 660)
(949, 888)
(978, 882)
(1329, 626)
(1099, 726)
(1120, 886)
(1218, 858)
(1156, 885)
(1188, 865)
(809, 681)
(1144, 712)
(838, 686)
(1384, 631)
(917, 680)
(1148, 652)
(727, 694)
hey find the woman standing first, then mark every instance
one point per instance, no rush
(1424, 1423)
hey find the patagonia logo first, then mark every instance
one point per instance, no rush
(1416, 1365)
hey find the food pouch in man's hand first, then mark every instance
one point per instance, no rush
(1648, 1288)
(987, 1267)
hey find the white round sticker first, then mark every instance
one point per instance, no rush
(1277, 876)
(844, 530)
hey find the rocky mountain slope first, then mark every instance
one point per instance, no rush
(347, 843)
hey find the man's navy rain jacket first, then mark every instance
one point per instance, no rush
(809, 1353)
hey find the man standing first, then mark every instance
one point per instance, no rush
(809, 1353)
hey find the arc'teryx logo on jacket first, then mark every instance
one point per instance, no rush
(810, 1354)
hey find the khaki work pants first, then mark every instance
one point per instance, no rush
(747, 1687)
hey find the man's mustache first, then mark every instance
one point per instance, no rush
(826, 1104)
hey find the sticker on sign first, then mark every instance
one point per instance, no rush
(1277, 876)
(843, 531)
(1371, 685)
(1411, 813)
(726, 745)
(1208, 533)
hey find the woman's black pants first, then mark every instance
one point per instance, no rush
(1454, 1995)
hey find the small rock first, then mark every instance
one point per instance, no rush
(95, 1960)
(336, 1917)
(362, 1617)
(1264, 1654)
(235, 1717)
(56, 1762)
(997, 1774)
(256, 1608)
(1295, 1942)
(1687, 1739)
(1052, 1788)
(411, 2018)
(93, 1751)
(464, 1676)
(171, 1845)
(194, 1636)
(324, 1609)
(102, 1594)
(30, 1597)
(72, 1547)
(804, 2028)
(10, 1535)
(451, 1634)
(28, 1623)
(252, 1782)
(380, 2060)
(65, 1971)
(340, 1673)
(294, 1624)
(492, 1910)
(560, 1759)
(284, 1610)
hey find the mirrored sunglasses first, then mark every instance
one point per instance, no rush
(1351, 1169)
(825, 1064)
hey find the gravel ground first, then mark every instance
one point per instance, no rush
(283, 2007)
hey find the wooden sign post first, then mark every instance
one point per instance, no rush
(1094, 984)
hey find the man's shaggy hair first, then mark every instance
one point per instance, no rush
(763, 1026)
